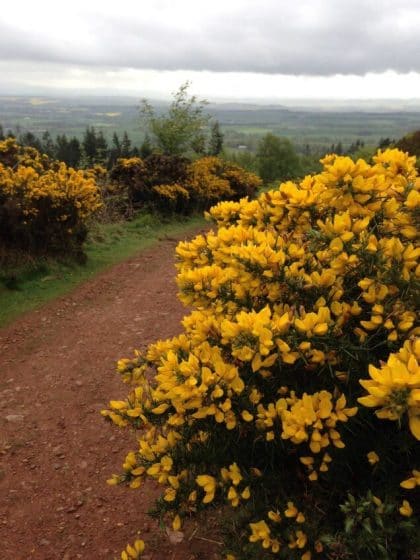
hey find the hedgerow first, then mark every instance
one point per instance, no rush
(292, 396)
(173, 184)
(44, 205)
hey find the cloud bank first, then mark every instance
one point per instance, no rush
(309, 37)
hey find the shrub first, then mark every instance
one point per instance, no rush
(243, 183)
(171, 198)
(206, 181)
(138, 178)
(411, 144)
(194, 185)
(128, 177)
(211, 179)
(44, 205)
(115, 206)
(293, 394)
(9, 152)
(164, 169)
(13, 155)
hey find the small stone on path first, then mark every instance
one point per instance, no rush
(15, 418)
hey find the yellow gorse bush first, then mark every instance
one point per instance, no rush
(293, 393)
(206, 180)
(44, 204)
(59, 186)
(171, 183)
(210, 179)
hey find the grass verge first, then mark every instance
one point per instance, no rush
(38, 282)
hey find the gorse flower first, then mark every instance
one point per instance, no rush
(302, 340)
(412, 482)
(133, 552)
(373, 457)
(208, 483)
(395, 387)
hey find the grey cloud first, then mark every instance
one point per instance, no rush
(268, 36)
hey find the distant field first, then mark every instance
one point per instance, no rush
(322, 129)
(242, 125)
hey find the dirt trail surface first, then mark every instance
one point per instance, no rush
(57, 371)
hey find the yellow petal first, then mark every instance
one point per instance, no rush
(369, 401)
(247, 416)
(176, 523)
(406, 509)
(132, 553)
(414, 423)
(160, 409)
(373, 457)
(139, 546)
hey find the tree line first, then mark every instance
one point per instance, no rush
(93, 148)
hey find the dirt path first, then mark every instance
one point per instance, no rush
(57, 371)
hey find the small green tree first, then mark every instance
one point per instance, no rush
(276, 159)
(216, 140)
(146, 149)
(47, 144)
(126, 148)
(29, 139)
(68, 150)
(180, 130)
(90, 148)
(102, 147)
(245, 159)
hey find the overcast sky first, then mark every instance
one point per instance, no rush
(228, 48)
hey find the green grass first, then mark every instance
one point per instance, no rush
(38, 282)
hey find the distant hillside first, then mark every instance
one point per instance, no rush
(242, 123)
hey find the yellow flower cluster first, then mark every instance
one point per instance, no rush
(232, 476)
(9, 151)
(206, 182)
(130, 163)
(395, 386)
(297, 539)
(43, 202)
(172, 193)
(211, 179)
(61, 186)
(13, 155)
(314, 418)
(297, 298)
(133, 552)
